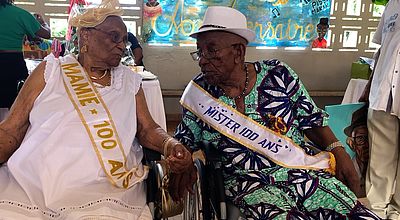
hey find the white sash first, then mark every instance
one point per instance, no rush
(233, 124)
(100, 127)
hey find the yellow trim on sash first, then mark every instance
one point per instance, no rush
(331, 160)
(124, 178)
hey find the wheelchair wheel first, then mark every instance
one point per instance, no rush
(196, 205)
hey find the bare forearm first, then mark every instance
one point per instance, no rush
(9, 142)
(137, 53)
(321, 136)
(153, 138)
(44, 31)
(15, 126)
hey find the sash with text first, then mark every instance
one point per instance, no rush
(99, 125)
(238, 127)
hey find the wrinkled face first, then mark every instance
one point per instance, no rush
(106, 42)
(216, 50)
(360, 142)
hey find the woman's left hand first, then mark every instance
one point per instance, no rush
(345, 170)
(178, 158)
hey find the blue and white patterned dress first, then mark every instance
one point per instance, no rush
(258, 186)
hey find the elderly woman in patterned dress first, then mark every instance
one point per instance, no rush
(264, 96)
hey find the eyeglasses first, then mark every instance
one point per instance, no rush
(208, 54)
(361, 139)
(115, 36)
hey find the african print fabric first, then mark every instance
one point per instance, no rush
(258, 186)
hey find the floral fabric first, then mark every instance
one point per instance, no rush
(254, 183)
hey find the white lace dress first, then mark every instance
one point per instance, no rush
(55, 173)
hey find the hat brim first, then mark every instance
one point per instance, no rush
(247, 34)
(349, 129)
(359, 118)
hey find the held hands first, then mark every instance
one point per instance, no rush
(183, 171)
(345, 171)
(178, 158)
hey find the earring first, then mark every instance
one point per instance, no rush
(84, 49)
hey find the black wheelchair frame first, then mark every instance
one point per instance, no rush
(208, 201)
(211, 200)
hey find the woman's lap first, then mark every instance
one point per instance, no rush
(281, 193)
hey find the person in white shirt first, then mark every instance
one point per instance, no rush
(383, 94)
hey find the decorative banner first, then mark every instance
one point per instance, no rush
(276, 22)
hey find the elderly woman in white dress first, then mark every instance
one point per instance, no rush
(66, 146)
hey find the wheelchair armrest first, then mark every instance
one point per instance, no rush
(150, 155)
(150, 158)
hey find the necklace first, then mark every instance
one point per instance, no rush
(246, 84)
(98, 85)
(101, 77)
(101, 86)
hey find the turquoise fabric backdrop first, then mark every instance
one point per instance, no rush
(340, 118)
(276, 22)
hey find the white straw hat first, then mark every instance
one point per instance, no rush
(220, 18)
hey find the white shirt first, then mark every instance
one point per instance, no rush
(55, 173)
(386, 80)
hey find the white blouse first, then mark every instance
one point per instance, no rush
(386, 80)
(55, 173)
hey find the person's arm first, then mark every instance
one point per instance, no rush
(136, 49)
(44, 31)
(152, 136)
(14, 127)
(138, 54)
(321, 136)
(345, 170)
(365, 95)
(188, 132)
(313, 122)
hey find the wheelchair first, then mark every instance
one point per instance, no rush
(155, 182)
(208, 200)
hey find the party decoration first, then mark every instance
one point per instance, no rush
(276, 22)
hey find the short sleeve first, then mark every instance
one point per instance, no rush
(52, 63)
(29, 23)
(133, 80)
(137, 83)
